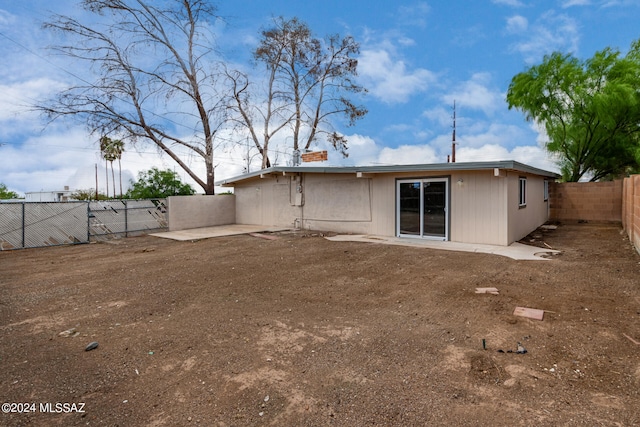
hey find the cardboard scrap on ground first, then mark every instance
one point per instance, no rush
(531, 313)
(493, 291)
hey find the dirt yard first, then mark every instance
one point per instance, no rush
(241, 331)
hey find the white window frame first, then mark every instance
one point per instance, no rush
(522, 191)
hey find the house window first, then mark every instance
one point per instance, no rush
(522, 199)
(546, 190)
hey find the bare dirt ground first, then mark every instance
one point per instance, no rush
(241, 331)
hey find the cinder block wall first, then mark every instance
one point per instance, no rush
(198, 211)
(631, 209)
(588, 201)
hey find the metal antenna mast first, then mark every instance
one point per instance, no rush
(453, 140)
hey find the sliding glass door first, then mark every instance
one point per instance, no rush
(422, 208)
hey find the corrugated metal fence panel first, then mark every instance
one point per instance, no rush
(10, 225)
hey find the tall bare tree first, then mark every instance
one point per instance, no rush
(307, 80)
(156, 79)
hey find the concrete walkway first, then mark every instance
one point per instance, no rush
(516, 251)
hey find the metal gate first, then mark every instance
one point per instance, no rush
(38, 224)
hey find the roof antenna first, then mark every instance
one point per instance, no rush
(453, 140)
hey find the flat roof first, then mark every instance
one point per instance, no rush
(425, 167)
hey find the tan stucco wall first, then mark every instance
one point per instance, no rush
(483, 207)
(478, 208)
(268, 201)
(197, 211)
(523, 220)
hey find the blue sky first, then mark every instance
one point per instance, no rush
(416, 58)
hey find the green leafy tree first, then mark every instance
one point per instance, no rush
(88, 194)
(306, 84)
(590, 110)
(6, 194)
(156, 183)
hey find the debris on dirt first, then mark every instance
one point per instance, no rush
(548, 227)
(69, 333)
(493, 291)
(520, 350)
(530, 313)
(264, 236)
(91, 346)
(631, 339)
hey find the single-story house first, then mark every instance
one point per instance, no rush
(49, 196)
(496, 202)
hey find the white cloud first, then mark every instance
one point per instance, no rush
(530, 155)
(17, 100)
(440, 115)
(570, 3)
(551, 32)
(517, 24)
(408, 155)
(414, 15)
(512, 3)
(6, 18)
(390, 79)
(475, 94)
(406, 41)
(621, 3)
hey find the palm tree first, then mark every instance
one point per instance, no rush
(108, 154)
(117, 148)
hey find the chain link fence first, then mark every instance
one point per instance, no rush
(38, 224)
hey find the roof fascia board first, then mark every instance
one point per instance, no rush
(363, 170)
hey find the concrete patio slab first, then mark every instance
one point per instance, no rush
(216, 231)
(516, 251)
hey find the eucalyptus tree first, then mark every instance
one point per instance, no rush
(590, 110)
(156, 80)
(306, 83)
